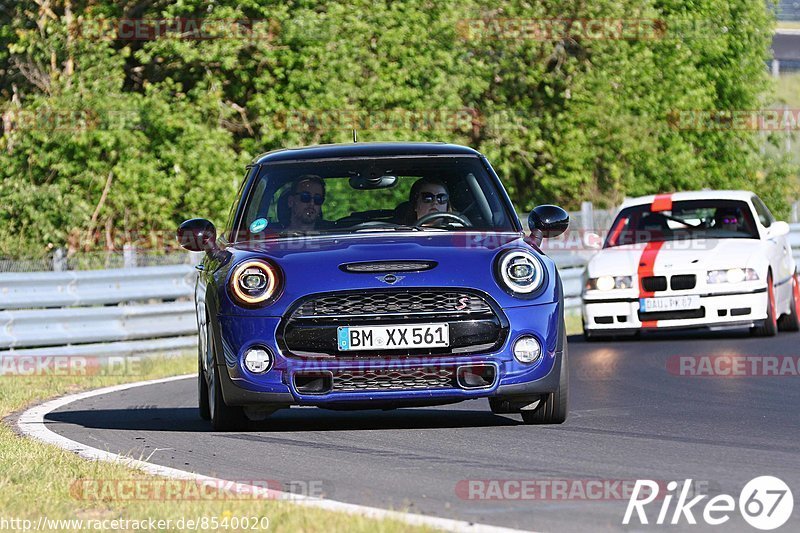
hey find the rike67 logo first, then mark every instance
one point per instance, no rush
(765, 503)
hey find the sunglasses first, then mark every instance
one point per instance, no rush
(428, 198)
(306, 197)
(730, 220)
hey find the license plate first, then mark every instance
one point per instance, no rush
(669, 303)
(393, 337)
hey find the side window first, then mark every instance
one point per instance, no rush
(764, 215)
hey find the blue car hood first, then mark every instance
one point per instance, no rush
(312, 265)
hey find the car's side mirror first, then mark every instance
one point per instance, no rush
(778, 229)
(548, 221)
(198, 235)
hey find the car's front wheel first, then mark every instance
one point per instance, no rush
(770, 326)
(553, 407)
(223, 416)
(791, 322)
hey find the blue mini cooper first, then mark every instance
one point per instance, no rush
(377, 276)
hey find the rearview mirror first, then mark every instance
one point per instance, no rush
(197, 235)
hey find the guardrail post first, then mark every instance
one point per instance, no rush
(795, 217)
(129, 256)
(59, 260)
(587, 216)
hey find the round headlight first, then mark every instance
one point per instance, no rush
(527, 349)
(521, 271)
(253, 282)
(605, 283)
(257, 360)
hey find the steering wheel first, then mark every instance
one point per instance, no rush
(452, 217)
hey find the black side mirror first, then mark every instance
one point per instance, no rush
(198, 235)
(548, 221)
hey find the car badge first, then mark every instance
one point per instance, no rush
(391, 279)
(463, 303)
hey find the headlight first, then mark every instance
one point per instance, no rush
(731, 275)
(253, 282)
(521, 271)
(607, 283)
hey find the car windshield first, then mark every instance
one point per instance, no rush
(693, 219)
(360, 195)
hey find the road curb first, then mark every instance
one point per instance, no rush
(32, 424)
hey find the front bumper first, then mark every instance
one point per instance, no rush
(730, 309)
(278, 387)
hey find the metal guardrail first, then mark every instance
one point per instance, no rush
(147, 309)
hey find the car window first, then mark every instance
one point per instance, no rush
(693, 219)
(373, 194)
(763, 212)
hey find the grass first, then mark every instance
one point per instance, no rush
(573, 322)
(35, 478)
(787, 89)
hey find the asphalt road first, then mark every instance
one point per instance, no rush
(630, 418)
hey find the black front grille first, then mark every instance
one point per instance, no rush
(673, 315)
(654, 283)
(383, 303)
(311, 328)
(683, 282)
(400, 379)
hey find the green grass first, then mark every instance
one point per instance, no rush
(573, 321)
(787, 89)
(35, 478)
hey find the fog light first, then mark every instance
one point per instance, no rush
(257, 360)
(527, 349)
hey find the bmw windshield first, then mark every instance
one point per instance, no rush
(355, 195)
(690, 219)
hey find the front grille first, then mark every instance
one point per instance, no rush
(673, 315)
(311, 328)
(683, 282)
(382, 303)
(654, 283)
(401, 379)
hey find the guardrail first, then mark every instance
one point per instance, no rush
(148, 309)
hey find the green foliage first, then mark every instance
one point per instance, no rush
(112, 140)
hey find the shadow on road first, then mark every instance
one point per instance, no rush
(186, 419)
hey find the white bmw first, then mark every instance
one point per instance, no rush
(711, 259)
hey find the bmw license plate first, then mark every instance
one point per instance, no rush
(393, 337)
(669, 303)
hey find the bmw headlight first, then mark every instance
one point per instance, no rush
(520, 271)
(253, 282)
(731, 275)
(607, 283)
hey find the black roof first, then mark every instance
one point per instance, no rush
(373, 149)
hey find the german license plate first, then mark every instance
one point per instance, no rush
(400, 337)
(669, 303)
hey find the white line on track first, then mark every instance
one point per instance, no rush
(32, 423)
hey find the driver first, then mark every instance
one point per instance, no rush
(428, 195)
(727, 219)
(305, 203)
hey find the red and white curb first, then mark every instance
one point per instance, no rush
(32, 423)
